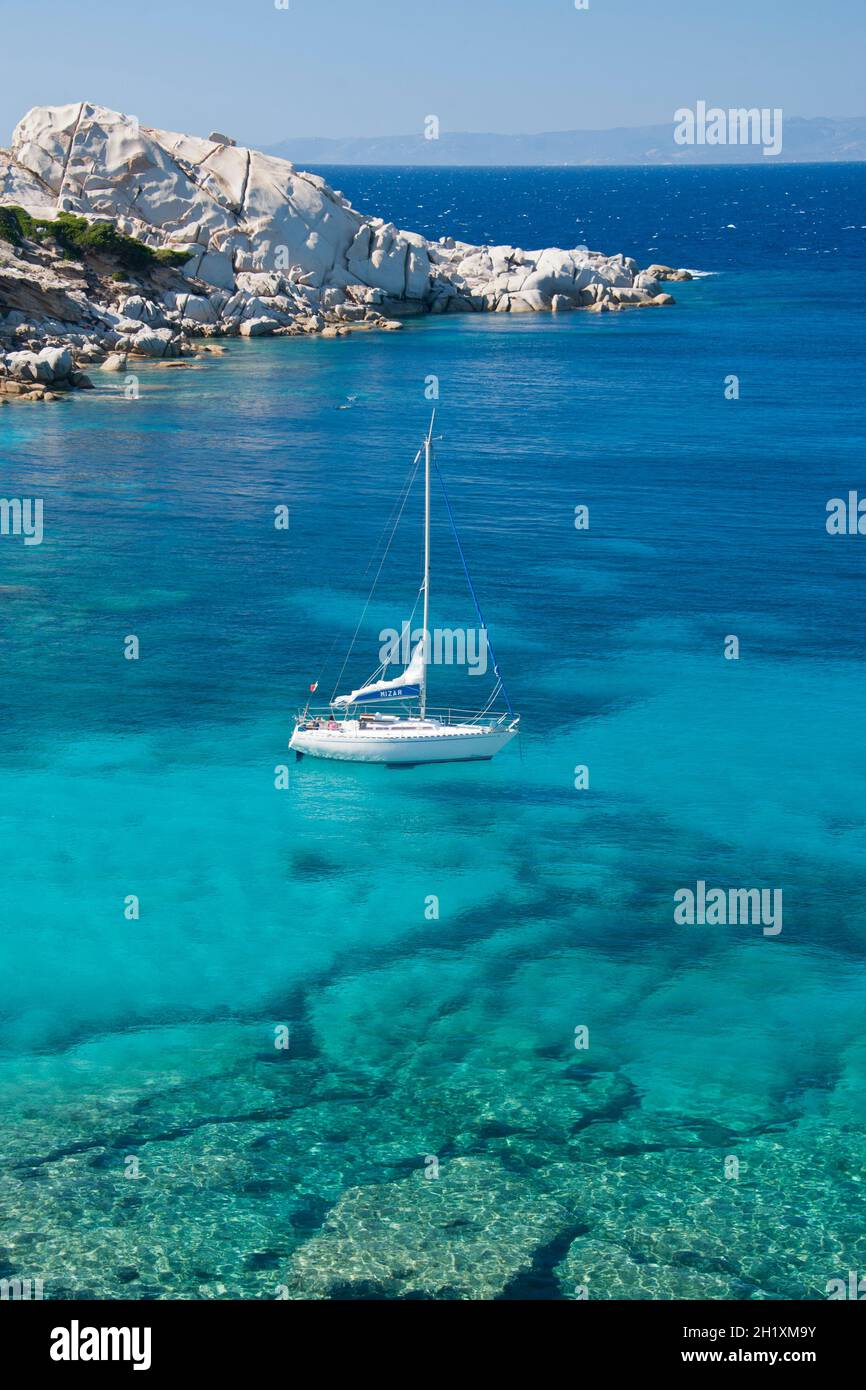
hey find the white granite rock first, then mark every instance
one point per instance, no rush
(50, 365)
(258, 328)
(197, 309)
(58, 360)
(646, 282)
(24, 366)
(17, 185)
(153, 342)
(268, 245)
(141, 310)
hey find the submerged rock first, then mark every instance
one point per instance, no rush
(594, 1269)
(262, 1171)
(465, 1234)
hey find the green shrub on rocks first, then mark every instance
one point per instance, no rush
(171, 258)
(15, 225)
(77, 237)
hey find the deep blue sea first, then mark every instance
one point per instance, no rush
(432, 1130)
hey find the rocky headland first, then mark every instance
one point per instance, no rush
(118, 241)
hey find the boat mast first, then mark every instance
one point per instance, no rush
(428, 450)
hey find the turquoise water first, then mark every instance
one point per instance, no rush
(264, 1172)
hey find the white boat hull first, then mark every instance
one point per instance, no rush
(437, 744)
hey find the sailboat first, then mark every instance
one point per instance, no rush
(347, 729)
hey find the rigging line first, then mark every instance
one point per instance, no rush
(484, 628)
(407, 628)
(496, 689)
(382, 668)
(378, 572)
(411, 477)
(407, 485)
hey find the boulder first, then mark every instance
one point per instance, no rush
(666, 272)
(47, 367)
(25, 366)
(215, 268)
(351, 313)
(153, 342)
(258, 328)
(526, 303)
(333, 298)
(198, 309)
(58, 361)
(628, 295)
(647, 282)
(140, 310)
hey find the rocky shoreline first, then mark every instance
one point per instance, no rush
(251, 248)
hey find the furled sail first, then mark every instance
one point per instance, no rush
(404, 687)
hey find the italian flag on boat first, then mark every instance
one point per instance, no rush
(420, 733)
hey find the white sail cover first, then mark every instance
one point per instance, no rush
(406, 686)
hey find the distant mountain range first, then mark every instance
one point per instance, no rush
(819, 140)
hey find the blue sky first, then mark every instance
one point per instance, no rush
(378, 67)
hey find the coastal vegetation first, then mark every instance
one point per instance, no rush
(265, 250)
(77, 238)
